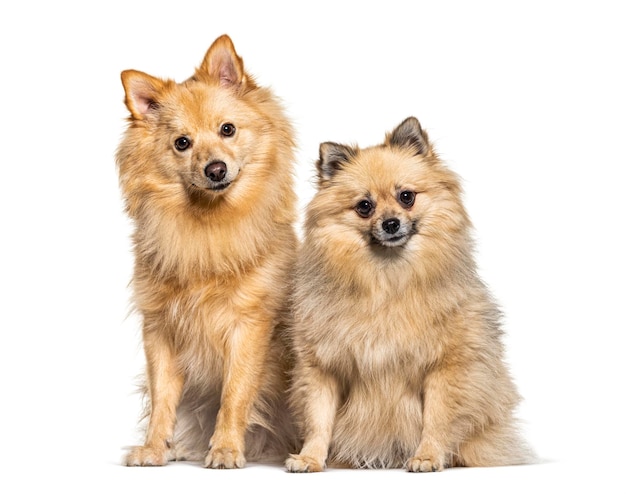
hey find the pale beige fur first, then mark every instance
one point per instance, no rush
(212, 260)
(399, 354)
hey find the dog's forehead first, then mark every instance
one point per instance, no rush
(197, 104)
(383, 170)
(198, 97)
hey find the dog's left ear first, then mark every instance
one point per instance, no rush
(222, 63)
(410, 134)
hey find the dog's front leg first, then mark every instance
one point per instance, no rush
(318, 394)
(445, 422)
(165, 385)
(245, 355)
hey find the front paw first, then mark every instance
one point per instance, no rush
(302, 464)
(146, 456)
(426, 463)
(225, 458)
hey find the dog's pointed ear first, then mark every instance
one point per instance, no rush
(333, 157)
(410, 134)
(142, 93)
(222, 63)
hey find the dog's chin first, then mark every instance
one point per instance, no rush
(217, 188)
(396, 242)
(203, 196)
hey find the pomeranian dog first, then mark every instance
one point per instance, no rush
(206, 174)
(398, 351)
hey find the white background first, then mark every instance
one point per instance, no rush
(525, 100)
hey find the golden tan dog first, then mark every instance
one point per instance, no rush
(399, 359)
(206, 173)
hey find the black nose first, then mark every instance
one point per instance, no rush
(391, 225)
(215, 171)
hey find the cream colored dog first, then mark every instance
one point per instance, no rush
(399, 358)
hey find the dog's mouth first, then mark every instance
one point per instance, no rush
(219, 187)
(396, 239)
(214, 187)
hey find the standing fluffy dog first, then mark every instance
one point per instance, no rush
(398, 343)
(206, 172)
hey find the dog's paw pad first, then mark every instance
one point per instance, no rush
(302, 464)
(225, 458)
(419, 464)
(145, 456)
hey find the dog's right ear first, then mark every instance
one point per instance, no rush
(333, 156)
(142, 93)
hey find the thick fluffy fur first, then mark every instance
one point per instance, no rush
(399, 359)
(206, 172)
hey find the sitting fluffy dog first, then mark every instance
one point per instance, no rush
(399, 358)
(206, 173)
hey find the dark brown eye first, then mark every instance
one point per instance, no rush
(182, 143)
(406, 198)
(364, 208)
(227, 130)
